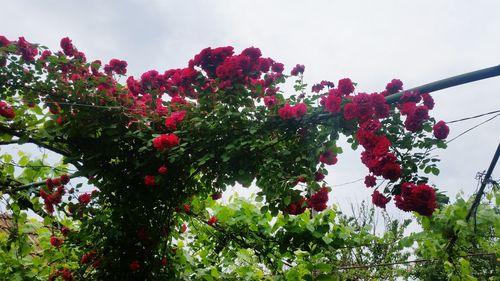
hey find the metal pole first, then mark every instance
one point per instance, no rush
(450, 82)
(485, 181)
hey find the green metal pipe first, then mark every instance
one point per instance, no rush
(450, 82)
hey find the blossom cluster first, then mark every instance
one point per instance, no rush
(53, 197)
(419, 198)
(316, 201)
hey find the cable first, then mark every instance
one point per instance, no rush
(347, 183)
(473, 117)
(472, 128)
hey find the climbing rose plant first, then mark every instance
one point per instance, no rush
(150, 145)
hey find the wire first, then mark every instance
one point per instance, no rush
(472, 128)
(473, 117)
(347, 183)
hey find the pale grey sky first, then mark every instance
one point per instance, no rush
(369, 41)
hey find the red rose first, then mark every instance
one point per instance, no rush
(175, 118)
(332, 103)
(298, 69)
(183, 228)
(350, 111)
(163, 170)
(370, 181)
(299, 110)
(134, 265)
(319, 199)
(298, 207)
(391, 171)
(318, 176)
(186, 208)
(277, 67)
(88, 257)
(286, 112)
(26, 49)
(270, 101)
(117, 66)
(441, 130)
(328, 157)
(67, 46)
(394, 86)
(65, 179)
(66, 274)
(252, 52)
(6, 110)
(84, 198)
(346, 86)
(212, 220)
(65, 231)
(165, 141)
(149, 180)
(216, 196)
(379, 200)
(4, 42)
(428, 100)
(56, 242)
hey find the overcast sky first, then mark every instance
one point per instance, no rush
(370, 42)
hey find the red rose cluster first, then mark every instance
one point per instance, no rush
(376, 156)
(64, 273)
(316, 88)
(289, 112)
(419, 198)
(298, 69)
(379, 200)
(298, 207)
(88, 257)
(116, 66)
(175, 118)
(328, 157)
(165, 141)
(415, 114)
(53, 197)
(317, 202)
(56, 242)
(6, 110)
